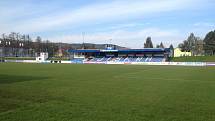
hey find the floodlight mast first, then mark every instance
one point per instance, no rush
(83, 36)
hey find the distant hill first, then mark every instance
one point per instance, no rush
(86, 46)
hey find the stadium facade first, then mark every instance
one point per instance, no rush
(110, 55)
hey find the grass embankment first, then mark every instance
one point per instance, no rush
(194, 59)
(19, 58)
(32, 58)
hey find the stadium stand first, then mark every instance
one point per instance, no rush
(120, 56)
(148, 59)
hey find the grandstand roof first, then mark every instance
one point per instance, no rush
(124, 50)
(85, 51)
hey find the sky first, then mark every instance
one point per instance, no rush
(123, 22)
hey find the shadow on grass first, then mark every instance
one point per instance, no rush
(7, 79)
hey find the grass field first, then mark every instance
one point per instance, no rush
(194, 59)
(49, 92)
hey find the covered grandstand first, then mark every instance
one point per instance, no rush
(123, 56)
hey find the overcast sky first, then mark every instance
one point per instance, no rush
(126, 22)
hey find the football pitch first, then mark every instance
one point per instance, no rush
(67, 92)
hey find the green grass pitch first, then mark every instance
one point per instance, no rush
(66, 92)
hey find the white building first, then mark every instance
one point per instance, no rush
(179, 53)
(42, 57)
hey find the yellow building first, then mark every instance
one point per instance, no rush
(179, 53)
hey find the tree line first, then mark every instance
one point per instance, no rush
(193, 44)
(149, 44)
(16, 44)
